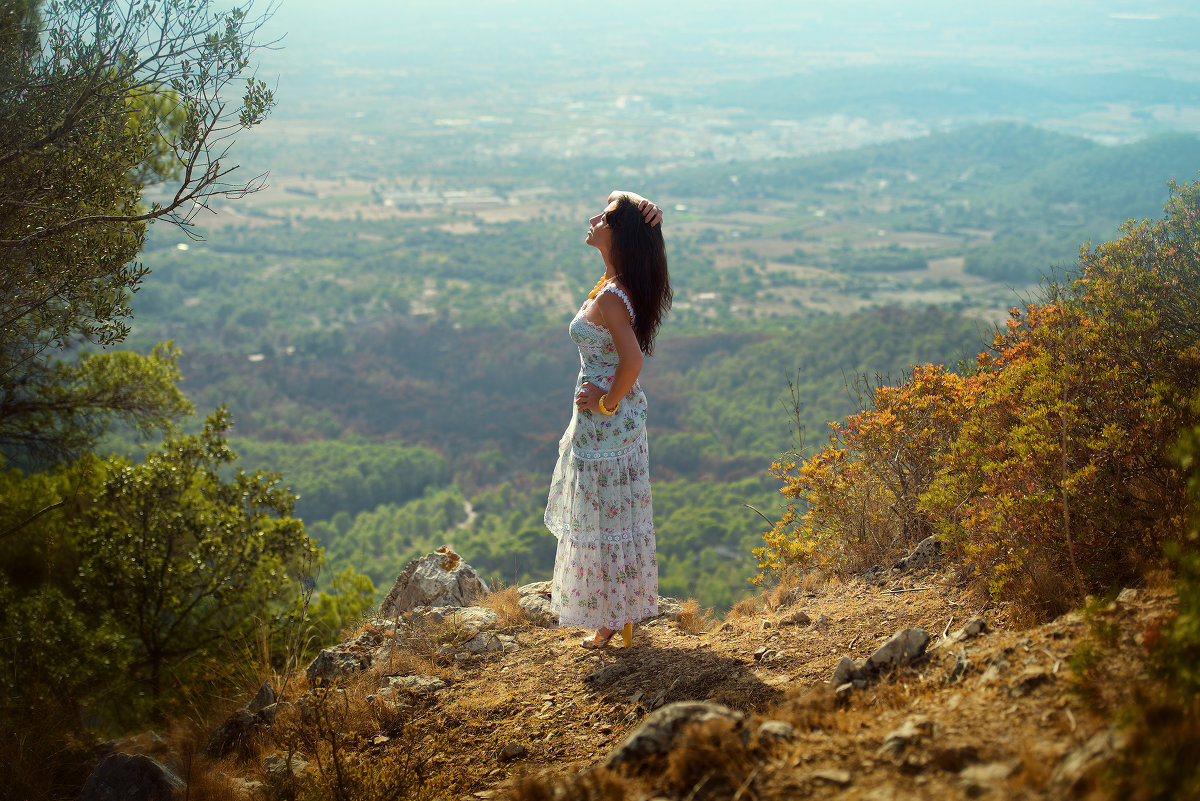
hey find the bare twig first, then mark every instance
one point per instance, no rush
(760, 514)
(851, 645)
(948, 622)
(910, 589)
(746, 783)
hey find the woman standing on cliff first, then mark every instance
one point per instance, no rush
(605, 571)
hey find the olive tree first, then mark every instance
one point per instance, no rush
(101, 100)
(181, 558)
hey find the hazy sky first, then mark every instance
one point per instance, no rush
(536, 34)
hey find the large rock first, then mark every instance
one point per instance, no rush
(658, 733)
(538, 610)
(236, 735)
(336, 663)
(927, 551)
(535, 600)
(903, 647)
(847, 670)
(345, 658)
(440, 578)
(670, 608)
(131, 777)
(452, 623)
(489, 642)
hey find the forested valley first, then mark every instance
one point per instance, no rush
(410, 378)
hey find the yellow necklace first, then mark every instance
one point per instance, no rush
(596, 289)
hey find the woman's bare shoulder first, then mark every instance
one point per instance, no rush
(614, 305)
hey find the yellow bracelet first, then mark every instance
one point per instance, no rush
(600, 403)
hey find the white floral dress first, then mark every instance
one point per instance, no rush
(605, 571)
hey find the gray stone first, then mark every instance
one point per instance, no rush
(832, 775)
(236, 735)
(537, 609)
(131, 777)
(1084, 765)
(926, 552)
(489, 642)
(535, 588)
(512, 750)
(1029, 680)
(961, 667)
(278, 766)
(821, 622)
(265, 697)
(972, 628)
(659, 732)
(607, 673)
(994, 671)
(245, 789)
(670, 608)
(846, 671)
(777, 731)
(336, 663)
(903, 647)
(990, 776)
(440, 578)
(796, 619)
(911, 731)
(418, 682)
(454, 624)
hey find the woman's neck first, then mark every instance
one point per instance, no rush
(610, 272)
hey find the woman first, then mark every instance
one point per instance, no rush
(605, 571)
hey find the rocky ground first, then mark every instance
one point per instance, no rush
(493, 705)
(999, 713)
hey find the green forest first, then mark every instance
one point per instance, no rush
(428, 327)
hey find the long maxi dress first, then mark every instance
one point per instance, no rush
(599, 508)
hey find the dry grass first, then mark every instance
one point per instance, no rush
(710, 762)
(1040, 592)
(746, 607)
(207, 782)
(594, 785)
(694, 619)
(506, 602)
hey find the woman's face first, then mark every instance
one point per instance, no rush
(599, 235)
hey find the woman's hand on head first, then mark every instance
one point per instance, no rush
(650, 211)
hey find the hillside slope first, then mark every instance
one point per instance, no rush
(999, 713)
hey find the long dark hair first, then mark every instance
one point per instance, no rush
(640, 258)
